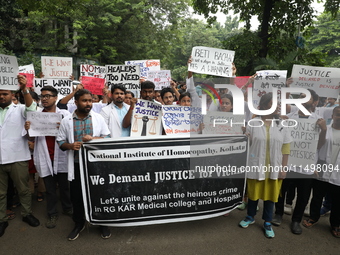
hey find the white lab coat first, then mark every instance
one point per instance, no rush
(111, 117)
(66, 133)
(41, 156)
(13, 142)
(279, 135)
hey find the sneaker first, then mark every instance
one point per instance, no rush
(277, 220)
(324, 211)
(52, 221)
(105, 232)
(242, 206)
(75, 233)
(288, 209)
(268, 231)
(247, 221)
(68, 212)
(31, 220)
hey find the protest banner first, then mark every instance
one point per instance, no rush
(93, 71)
(146, 118)
(181, 119)
(29, 73)
(64, 86)
(43, 123)
(224, 123)
(125, 75)
(56, 67)
(303, 149)
(146, 66)
(160, 78)
(8, 72)
(325, 81)
(265, 81)
(139, 181)
(211, 61)
(94, 85)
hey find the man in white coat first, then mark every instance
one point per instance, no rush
(51, 162)
(115, 112)
(82, 126)
(14, 153)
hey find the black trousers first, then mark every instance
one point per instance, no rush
(77, 198)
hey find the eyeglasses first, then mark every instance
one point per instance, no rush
(47, 96)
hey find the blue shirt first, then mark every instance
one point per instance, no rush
(121, 112)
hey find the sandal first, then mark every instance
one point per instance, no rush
(309, 223)
(40, 197)
(336, 232)
(10, 214)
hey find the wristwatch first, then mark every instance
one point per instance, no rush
(25, 92)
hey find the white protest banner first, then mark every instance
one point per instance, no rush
(125, 75)
(223, 123)
(211, 61)
(93, 71)
(29, 73)
(8, 72)
(64, 86)
(303, 149)
(181, 119)
(93, 84)
(161, 78)
(325, 81)
(56, 67)
(154, 180)
(146, 118)
(43, 123)
(146, 66)
(265, 81)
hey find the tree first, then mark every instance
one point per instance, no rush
(273, 15)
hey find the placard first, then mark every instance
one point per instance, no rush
(181, 119)
(161, 78)
(224, 123)
(146, 118)
(325, 81)
(125, 75)
(56, 67)
(94, 85)
(64, 86)
(146, 66)
(8, 72)
(138, 181)
(29, 73)
(43, 123)
(93, 71)
(211, 61)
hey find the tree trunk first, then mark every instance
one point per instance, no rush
(264, 28)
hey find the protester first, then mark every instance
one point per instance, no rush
(128, 97)
(15, 153)
(167, 96)
(83, 125)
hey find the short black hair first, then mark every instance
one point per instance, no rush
(81, 92)
(34, 96)
(129, 92)
(166, 90)
(147, 85)
(118, 86)
(185, 94)
(51, 89)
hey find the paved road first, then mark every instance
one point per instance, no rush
(219, 235)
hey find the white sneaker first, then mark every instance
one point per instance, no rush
(288, 209)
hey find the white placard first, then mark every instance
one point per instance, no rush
(64, 86)
(93, 71)
(211, 61)
(43, 123)
(223, 123)
(56, 67)
(8, 72)
(125, 75)
(161, 78)
(145, 66)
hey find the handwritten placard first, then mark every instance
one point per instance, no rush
(28, 72)
(43, 123)
(125, 75)
(324, 80)
(161, 78)
(94, 85)
(56, 67)
(8, 72)
(146, 66)
(223, 123)
(211, 61)
(93, 71)
(146, 118)
(305, 137)
(181, 119)
(64, 86)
